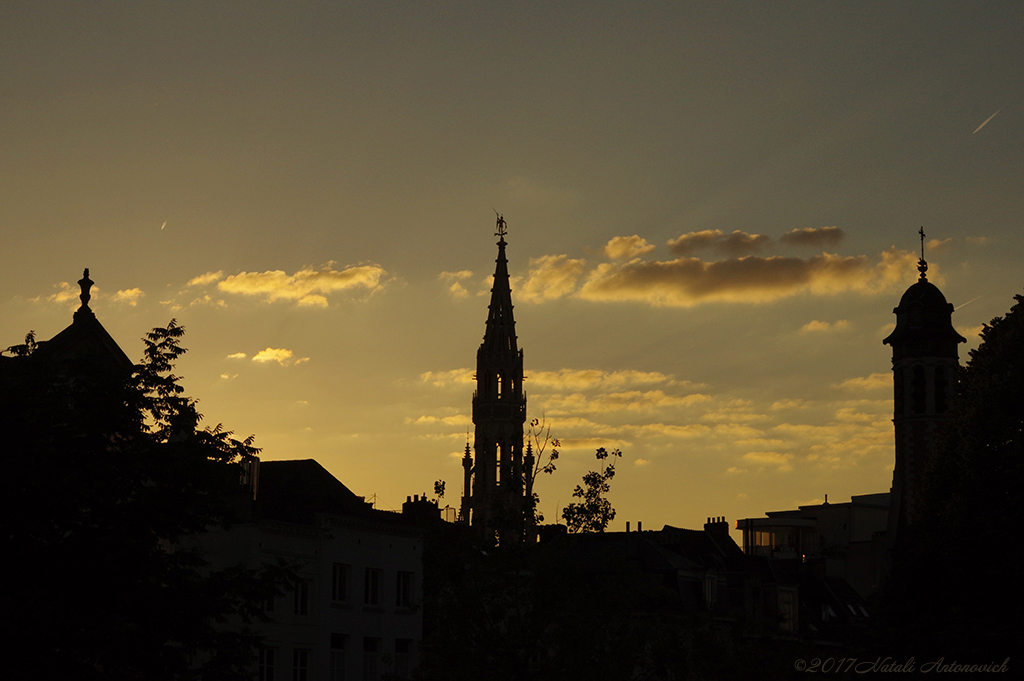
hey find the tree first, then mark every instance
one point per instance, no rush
(107, 472)
(594, 512)
(538, 440)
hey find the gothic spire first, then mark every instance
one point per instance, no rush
(500, 335)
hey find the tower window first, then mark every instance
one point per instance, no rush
(898, 391)
(940, 390)
(917, 390)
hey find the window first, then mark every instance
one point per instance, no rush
(917, 390)
(403, 590)
(266, 664)
(371, 650)
(300, 665)
(403, 647)
(371, 587)
(337, 657)
(301, 597)
(940, 390)
(339, 582)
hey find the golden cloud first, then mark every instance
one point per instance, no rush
(456, 288)
(550, 277)
(685, 282)
(772, 458)
(308, 286)
(130, 296)
(65, 293)
(456, 420)
(818, 326)
(590, 443)
(633, 400)
(237, 355)
(977, 240)
(875, 381)
(280, 355)
(735, 244)
(969, 331)
(443, 379)
(204, 279)
(815, 237)
(627, 247)
(582, 379)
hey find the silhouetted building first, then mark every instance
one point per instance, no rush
(845, 540)
(495, 484)
(924, 364)
(354, 610)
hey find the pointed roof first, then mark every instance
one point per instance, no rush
(500, 335)
(85, 341)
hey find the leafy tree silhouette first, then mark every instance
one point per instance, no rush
(107, 472)
(594, 512)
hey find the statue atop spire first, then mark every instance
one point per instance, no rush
(501, 227)
(922, 265)
(85, 312)
(85, 283)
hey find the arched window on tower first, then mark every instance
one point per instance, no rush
(898, 391)
(917, 390)
(940, 390)
(501, 385)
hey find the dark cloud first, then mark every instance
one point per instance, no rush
(734, 245)
(688, 281)
(816, 237)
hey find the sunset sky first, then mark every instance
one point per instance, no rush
(712, 210)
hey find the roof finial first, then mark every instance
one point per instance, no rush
(501, 226)
(86, 283)
(922, 266)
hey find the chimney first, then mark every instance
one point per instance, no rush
(717, 528)
(639, 526)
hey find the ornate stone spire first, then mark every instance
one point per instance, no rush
(86, 284)
(499, 410)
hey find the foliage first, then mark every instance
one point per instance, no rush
(594, 512)
(108, 472)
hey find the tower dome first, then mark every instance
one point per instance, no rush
(924, 324)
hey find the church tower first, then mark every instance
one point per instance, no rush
(494, 479)
(924, 364)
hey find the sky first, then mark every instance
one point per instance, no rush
(712, 210)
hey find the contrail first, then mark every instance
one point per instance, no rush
(986, 122)
(967, 303)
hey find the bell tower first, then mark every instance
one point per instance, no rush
(494, 482)
(924, 364)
